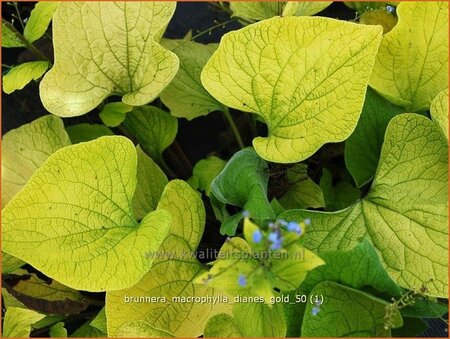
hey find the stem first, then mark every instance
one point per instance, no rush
(211, 28)
(237, 135)
(166, 168)
(27, 44)
(18, 14)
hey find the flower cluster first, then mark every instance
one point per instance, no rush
(275, 237)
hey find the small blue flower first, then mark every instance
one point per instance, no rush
(257, 236)
(315, 310)
(307, 221)
(276, 240)
(245, 214)
(292, 226)
(242, 280)
(390, 9)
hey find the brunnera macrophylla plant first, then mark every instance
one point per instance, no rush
(325, 215)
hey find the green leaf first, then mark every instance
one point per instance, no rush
(185, 95)
(331, 60)
(363, 147)
(346, 312)
(357, 267)
(337, 196)
(243, 183)
(303, 192)
(19, 76)
(412, 64)
(104, 49)
(205, 171)
(222, 326)
(265, 10)
(58, 331)
(10, 263)
(151, 182)
(425, 308)
(26, 148)
(18, 321)
(85, 213)
(171, 275)
(99, 321)
(141, 329)
(87, 132)
(10, 36)
(260, 320)
(256, 10)
(154, 129)
(114, 113)
(87, 331)
(304, 8)
(39, 20)
(405, 214)
(439, 111)
(379, 17)
(38, 288)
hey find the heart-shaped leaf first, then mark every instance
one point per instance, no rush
(405, 214)
(306, 77)
(107, 48)
(76, 212)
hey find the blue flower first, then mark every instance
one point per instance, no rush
(315, 310)
(257, 236)
(242, 280)
(307, 221)
(245, 214)
(390, 9)
(292, 226)
(276, 240)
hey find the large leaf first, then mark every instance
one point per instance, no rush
(412, 64)
(439, 111)
(39, 20)
(405, 213)
(153, 128)
(363, 147)
(106, 48)
(171, 275)
(18, 77)
(358, 267)
(346, 312)
(306, 77)
(185, 95)
(78, 205)
(26, 148)
(243, 183)
(18, 321)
